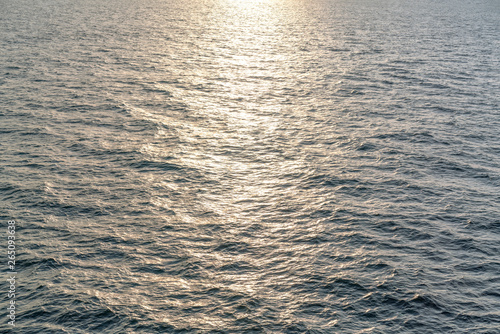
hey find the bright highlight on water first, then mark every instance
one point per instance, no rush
(267, 166)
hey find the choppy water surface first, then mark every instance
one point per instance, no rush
(269, 166)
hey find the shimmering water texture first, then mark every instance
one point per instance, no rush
(269, 166)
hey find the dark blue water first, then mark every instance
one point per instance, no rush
(266, 166)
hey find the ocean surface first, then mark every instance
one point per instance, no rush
(239, 166)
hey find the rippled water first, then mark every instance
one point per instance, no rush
(267, 166)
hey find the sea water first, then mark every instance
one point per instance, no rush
(239, 166)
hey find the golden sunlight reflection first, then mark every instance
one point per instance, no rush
(236, 128)
(233, 138)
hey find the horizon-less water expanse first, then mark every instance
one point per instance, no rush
(267, 166)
